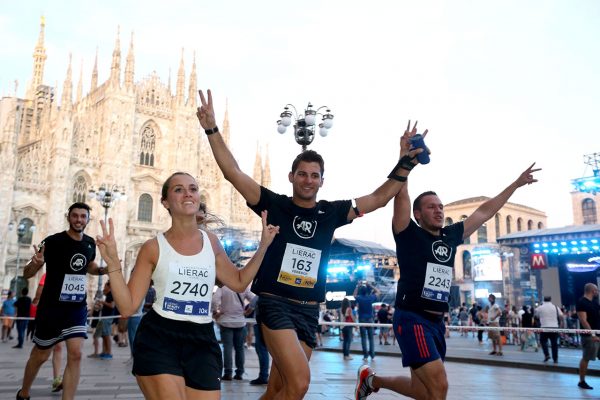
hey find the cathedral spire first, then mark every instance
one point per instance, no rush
(193, 87)
(225, 134)
(95, 73)
(66, 101)
(129, 66)
(266, 173)
(115, 68)
(257, 173)
(39, 59)
(180, 82)
(80, 84)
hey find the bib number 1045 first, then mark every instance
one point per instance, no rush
(183, 288)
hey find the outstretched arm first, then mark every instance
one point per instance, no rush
(401, 217)
(36, 262)
(488, 209)
(243, 183)
(239, 279)
(128, 296)
(384, 193)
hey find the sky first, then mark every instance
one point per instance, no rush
(499, 85)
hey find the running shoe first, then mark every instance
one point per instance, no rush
(363, 383)
(57, 384)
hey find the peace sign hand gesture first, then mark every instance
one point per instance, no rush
(106, 243)
(206, 112)
(405, 145)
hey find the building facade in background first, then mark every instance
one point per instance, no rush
(481, 265)
(125, 132)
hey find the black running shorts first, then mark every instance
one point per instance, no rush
(187, 349)
(281, 313)
(57, 325)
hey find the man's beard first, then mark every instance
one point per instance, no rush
(78, 230)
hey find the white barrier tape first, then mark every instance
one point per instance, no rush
(469, 328)
(89, 318)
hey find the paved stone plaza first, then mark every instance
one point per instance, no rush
(332, 378)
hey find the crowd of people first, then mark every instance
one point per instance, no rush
(175, 352)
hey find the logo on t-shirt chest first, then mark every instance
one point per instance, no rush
(78, 261)
(441, 251)
(303, 227)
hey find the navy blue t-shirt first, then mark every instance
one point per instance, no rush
(365, 305)
(295, 263)
(426, 262)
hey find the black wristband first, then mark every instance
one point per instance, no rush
(403, 163)
(211, 131)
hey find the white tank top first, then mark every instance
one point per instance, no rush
(184, 284)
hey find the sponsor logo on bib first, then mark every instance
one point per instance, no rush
(304, 228)
(78, 261)
(441, 251)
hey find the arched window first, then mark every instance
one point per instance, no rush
(540, 225)
(529, 225)
(588, 211)
(27, 237)
(482, 234)
(448, 221)
(497, 224)
(80, 189)
(467, 239)
(147, 145)
(467, 267)
(145, 208)
(519, 224)
(508, 224)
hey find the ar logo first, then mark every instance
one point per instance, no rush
(441, 251)
(304, 228)
(78, 261)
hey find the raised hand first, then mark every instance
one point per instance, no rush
(206, 112)
(405, 145)
(106, 243)
(526, 177)
(268, 231)
(38, 254)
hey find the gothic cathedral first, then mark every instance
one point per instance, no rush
(123, 134)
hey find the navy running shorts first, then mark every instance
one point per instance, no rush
(182, 348)
(58, 325)
(420, 336)
(280, 313)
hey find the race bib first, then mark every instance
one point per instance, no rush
(188, 290)
(300, 266)
(73, 288)
(438, 279)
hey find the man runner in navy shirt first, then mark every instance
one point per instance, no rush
(291, 279)
(426, 251)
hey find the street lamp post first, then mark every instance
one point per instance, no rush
(305, 124)
(106, 195)
(21, 230)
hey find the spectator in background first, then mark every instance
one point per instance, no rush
(23, 307)
(105, 324)
(463, 319)
(347, 330)
(383, 317)
(261, 350)
(365, 296)
(528, 337)
(8, 312)
(550, 316)
(494, 314)
(228, 311)
(150, 297)
(588, 312)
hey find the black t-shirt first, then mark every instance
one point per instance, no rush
(295, 263)
(67, 260)
(426, 262)
(383, 315)
(527, 320)
(592, 310)
(106, 310)
(23, 306)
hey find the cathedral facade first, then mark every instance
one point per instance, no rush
(123, 134)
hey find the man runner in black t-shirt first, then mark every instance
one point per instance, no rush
(588, 312)
(291, 279)
(62, 309)
(426, 257)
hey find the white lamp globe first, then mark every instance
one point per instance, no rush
(281, 128)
